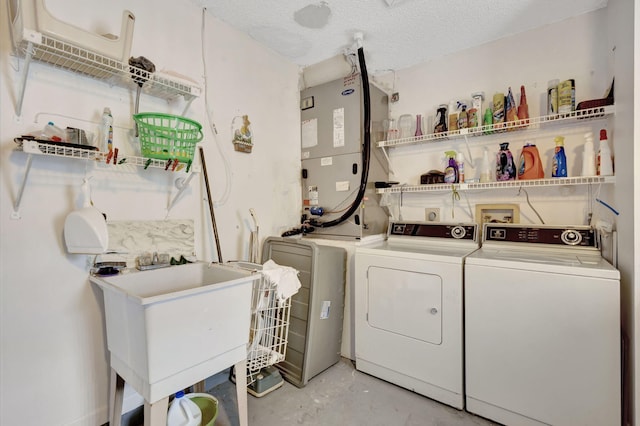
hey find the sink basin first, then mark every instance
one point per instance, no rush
(172, 327)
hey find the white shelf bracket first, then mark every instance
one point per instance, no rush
(25, 75)
(16, 206)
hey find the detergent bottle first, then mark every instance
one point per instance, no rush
(530, 165)
(559, 159)
(451, 171)
(183, 412)
(505, 168)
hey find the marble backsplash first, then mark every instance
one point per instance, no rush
(130, 239)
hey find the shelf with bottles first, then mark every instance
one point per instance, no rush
(532, 123)
(68, 151)
(470, 186)
(66, 56)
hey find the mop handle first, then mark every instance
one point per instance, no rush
(213, 217)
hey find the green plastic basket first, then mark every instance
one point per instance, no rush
(165, 136)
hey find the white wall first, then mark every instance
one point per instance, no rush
(53, 348)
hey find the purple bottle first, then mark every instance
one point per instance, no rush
(505, 167)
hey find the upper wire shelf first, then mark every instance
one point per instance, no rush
(52, 149)
(500, 128)
(63, 55)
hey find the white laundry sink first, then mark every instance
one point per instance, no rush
(169, 328)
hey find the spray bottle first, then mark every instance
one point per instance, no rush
(485, 167)
(451, 171)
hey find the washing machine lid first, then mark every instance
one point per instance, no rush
(573, 262)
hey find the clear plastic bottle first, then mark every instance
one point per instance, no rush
(183, 412)
(107, 130)
(485, 167)
(53, 132)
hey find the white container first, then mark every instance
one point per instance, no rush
(183, 412)
(588, 156)
(171, 327)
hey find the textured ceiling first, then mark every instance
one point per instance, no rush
(397, 33)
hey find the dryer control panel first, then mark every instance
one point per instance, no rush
(582, 236)
(458, 231)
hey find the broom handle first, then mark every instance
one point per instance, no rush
(213, 217)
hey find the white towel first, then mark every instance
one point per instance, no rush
(285, 278)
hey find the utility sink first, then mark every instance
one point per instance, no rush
(172, 327)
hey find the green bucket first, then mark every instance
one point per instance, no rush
(208, 404)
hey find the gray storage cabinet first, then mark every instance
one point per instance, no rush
(315, 326)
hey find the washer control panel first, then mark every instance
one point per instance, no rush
(582, 236)
(458, 231)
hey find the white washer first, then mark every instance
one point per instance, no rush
(542, 328)
(408, 308)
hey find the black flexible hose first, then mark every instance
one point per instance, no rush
(366, 150)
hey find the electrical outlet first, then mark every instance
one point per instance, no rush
(432, 215)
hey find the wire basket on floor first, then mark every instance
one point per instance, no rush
(165, 136)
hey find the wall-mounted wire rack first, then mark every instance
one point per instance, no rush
(69, 57)
(533, 123)
(34, 147)
(440, 187)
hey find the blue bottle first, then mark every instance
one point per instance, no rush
(559, 159)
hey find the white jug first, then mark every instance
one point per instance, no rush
(183, 412)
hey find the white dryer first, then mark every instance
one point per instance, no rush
(542, 328)
(409, 308)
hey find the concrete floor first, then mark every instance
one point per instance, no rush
(341, 396)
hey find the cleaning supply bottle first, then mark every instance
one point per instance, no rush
(523, 108)
(588, 156)
(441, 119)
(183, 412)
(530, 165)
(463, 116)
(505, 168)
(460, 161)
(451, 171)
(107, 130)
(605, 162)
(559, 159)
(485, 167)
(511, 113)
(453, 117)
(488, 120)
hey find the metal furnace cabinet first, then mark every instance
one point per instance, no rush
(315, 327)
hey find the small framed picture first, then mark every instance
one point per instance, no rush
(497, 213)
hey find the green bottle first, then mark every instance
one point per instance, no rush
(488, 121)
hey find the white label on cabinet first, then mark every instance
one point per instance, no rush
(326, 161)
(309, 133)
(326, 307)
(338, 127)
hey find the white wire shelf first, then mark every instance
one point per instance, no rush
(504, 128)
(52, 149)
(440, 187)
(67, 56)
